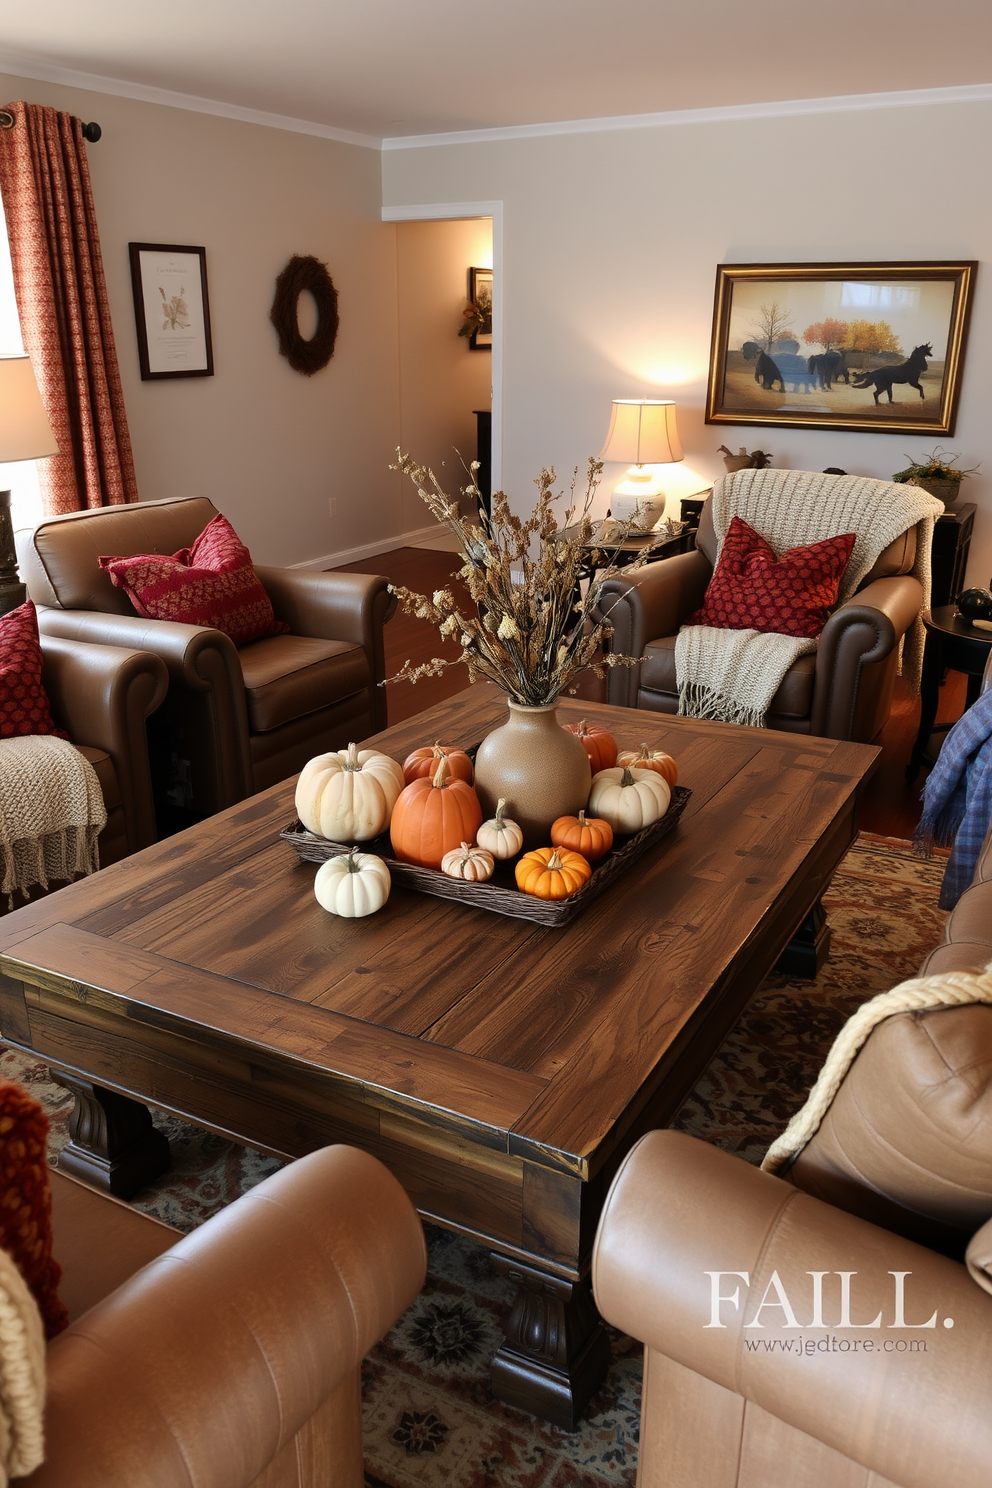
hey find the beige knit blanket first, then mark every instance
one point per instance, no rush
(22, 1376)
(732, 675)
(51, 813)
(949, 989)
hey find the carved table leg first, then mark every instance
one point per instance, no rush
(113, 1144)
(808, 948)
(556, 1352)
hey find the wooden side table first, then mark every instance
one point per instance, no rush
(953, 644)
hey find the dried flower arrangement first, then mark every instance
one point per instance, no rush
(533, 630)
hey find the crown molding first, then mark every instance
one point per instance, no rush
(725, 113)
(120, 88)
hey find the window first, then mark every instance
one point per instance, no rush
(21, 478)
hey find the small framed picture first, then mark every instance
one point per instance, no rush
(868, 346)
(171, 310)
(480, 292)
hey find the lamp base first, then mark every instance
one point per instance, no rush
(641, 512)
(12, 591)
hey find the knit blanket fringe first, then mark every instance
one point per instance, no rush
(792, 508)
(948, 989)
(51, 813)
(22, 1376)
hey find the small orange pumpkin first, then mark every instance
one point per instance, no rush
(598, 743)
(552, 873)
(590, 836)
(647, 758)
(422, 763)
(433, 817)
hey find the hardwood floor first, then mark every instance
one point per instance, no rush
(891, 807)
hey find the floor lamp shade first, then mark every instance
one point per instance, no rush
(25, 433)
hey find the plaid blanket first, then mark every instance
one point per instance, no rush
(957, 799)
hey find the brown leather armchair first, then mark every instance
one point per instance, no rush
(101, 696)
(898, 1179)
(230, 1358)
(237, 719)
(843, 691)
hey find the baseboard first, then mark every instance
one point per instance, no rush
(423, 537)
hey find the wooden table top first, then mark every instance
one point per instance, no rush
(530, 1041)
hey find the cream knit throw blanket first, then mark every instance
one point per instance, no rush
(51, 813)
(732, 675)
(950, 989)
(22, 1376)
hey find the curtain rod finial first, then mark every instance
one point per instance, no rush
(92, 132)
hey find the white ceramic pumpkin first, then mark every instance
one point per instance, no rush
(353, 885)
(473, 864)
(500, 836)
(348, 795)
(629, 799)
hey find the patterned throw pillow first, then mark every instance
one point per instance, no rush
(26, 1209)
(792, 595)
(24, 706)
(212, 583)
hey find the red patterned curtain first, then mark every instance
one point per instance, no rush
(62, 303)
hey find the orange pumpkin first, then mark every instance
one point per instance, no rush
(552, 872)
(422, 763)
(590, 836)
(433, 817)
(599, 745)
(647, 758)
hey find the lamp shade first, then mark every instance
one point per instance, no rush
(642, 431)
(25, 433)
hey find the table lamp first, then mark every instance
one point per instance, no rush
(25, 434)
(643, 434)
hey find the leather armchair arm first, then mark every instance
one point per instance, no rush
(860, 632)
(207, 1362)
(680, 1209)
(102, 695)
(649, 603)
(198, 659)
(336, 607)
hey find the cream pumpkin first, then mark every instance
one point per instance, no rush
(353, 885)
(473, 864)
(629, 799)
(500, 836)
(348, 795)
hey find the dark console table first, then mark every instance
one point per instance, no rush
(949, 557)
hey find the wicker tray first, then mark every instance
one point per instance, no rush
(500, 894)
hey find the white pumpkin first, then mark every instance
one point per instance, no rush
(500, 836)
(629, 799)
(473, 864)
(348, 795)
(353, 885)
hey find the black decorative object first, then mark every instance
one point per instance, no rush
(299, 275)
(975, 604)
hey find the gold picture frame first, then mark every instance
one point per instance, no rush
(873, 347)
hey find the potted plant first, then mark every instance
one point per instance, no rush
(936, 473)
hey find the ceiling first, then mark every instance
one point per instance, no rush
(387, 68)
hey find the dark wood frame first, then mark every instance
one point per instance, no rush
(482, 339)
(960, 276)
(135, 251)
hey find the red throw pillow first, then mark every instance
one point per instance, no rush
(26, 1205)
(212, 583)
(24, 705)
(751, 589)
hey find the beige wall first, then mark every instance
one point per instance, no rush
(269, 446)
(610, 243)
(441, 379)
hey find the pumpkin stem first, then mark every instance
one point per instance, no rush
(645, 752)
(583, 728)
(554, 862)
(582, 818)
(353, 864)
(351, 762)
(441, 773)
(626, 778)
(498, 818)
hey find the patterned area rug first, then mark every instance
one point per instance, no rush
(429, 1416)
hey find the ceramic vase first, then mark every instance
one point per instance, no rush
(540, 769)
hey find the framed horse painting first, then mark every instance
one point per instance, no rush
(876, 346)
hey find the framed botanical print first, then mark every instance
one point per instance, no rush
(171, 310)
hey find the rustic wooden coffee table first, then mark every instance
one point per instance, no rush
(500, 1068)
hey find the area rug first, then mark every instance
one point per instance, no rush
(429, 1415)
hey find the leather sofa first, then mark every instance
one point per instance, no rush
(898, 1179)
(843, 691)
(101, 696)
(238, 719)
(230, 1357)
